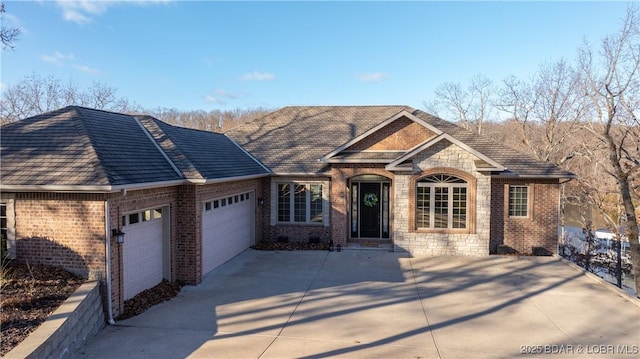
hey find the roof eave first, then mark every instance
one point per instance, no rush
(358, 161)
(230, 179)
(515, 175)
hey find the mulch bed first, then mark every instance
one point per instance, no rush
(30, 293)
(148, 298)
(290, 246)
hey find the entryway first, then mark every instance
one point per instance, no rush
(370, 210)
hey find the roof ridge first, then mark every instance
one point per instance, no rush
(90, 149)
(172, 152)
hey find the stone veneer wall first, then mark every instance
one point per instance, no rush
(442, 156)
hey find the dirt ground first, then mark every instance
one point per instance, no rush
(29, 294)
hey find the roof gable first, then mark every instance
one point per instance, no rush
(399, 132)
(489, 164)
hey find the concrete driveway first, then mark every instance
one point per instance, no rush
(310, 304)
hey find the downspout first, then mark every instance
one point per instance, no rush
(107, 226)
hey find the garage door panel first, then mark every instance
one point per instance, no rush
(142, 256)
(226, 232)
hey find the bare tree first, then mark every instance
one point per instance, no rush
(35, 94)
(471, 106)
(548, 110)
(612, 85)
(8, 35)
(214, 120)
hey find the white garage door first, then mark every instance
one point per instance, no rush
(142, 251)
(227, 229)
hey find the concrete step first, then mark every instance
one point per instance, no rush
(369, 245)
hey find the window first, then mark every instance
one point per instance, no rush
(134, 218)
(441, 202)
(518, 201)
(4, 227)
(300, 203)
(7, 228)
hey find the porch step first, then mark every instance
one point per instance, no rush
(369, 245)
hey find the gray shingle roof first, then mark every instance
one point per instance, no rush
(77, 146)
(203, 154)
(292, 139)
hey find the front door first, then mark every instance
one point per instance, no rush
(370, 210)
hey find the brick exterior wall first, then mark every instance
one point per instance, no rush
(340, 196)
(539, 229)
(399, 135)
(121, 204)
(61, 229)
(68, 230)
(295, 232)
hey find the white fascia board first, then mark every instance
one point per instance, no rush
(335, 160)
(403, 113)
(302, 174)
(89, 188)
(231, 179)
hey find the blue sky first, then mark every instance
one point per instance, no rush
(209, 55)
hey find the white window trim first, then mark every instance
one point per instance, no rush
(432, 208)
(9, 201)
(298, 181)
(529, 196)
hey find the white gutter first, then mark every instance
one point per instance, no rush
(516, 176)
(107, 226)
(90, 189)
(238, 178)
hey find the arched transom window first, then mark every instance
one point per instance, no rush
(441, 202)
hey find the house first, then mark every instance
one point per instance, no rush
(72, 178)
(187, 200)
(372, 175)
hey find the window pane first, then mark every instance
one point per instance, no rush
(300, 203)
(157, 213)
(423, 218)
(216, 204)
(354, 210)
(459, 207)
(441, 207)
(3, 209)
(316, 203)
(207, 206)
(385, 210)
(284, 209)
(146, 215)
(134, 218)
(518, 197)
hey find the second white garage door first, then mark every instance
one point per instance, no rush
(227, 229)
